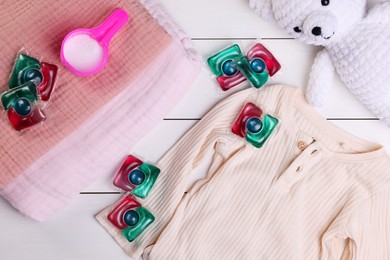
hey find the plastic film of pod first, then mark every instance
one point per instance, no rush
(252, 125)
(232, 68)
(31, 84)
(130, 217)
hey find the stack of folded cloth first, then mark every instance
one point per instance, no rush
(91, 121)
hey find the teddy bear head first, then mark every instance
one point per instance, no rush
(317, 22)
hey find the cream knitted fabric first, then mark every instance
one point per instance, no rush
(312, 191)
(357, 46)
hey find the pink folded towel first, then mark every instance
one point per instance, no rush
(94, 121)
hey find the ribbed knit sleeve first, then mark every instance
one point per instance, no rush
(368, 229)
(176, 168)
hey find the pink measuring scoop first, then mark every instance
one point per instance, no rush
(85, 51)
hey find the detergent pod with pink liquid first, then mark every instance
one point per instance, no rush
(252, 125)
(136, 176)
(232, 67)
(30, 87)
(130, 217)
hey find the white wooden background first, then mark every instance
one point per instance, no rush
(75, 234)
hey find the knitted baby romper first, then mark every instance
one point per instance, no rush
(313, 191)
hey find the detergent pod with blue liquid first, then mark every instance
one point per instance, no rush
(252, 125)
(136, 176)
(130, 217)
(232, 67)
(30, 86)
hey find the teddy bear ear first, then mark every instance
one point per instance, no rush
(263, 8)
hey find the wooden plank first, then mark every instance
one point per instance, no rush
(223, 19)
(220, 18)
(73, 234)
(296, 60)
(161, 139)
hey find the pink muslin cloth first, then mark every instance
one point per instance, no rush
(91, 121)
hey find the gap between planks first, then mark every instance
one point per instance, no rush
(253, 39)
(198, 119)
(238, 38)
(101, 193)
(329, 119)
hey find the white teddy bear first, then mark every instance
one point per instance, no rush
(357, 45)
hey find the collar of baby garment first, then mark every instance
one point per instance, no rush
(301, 118)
